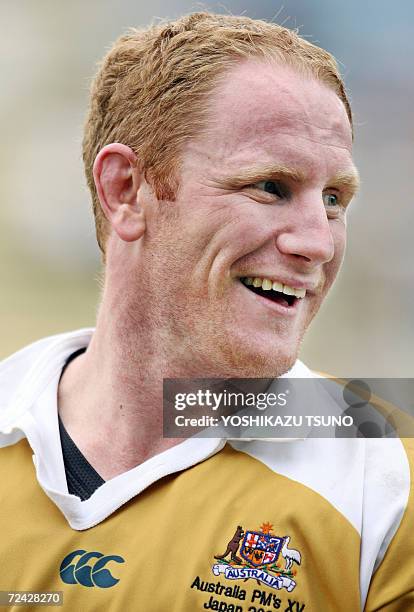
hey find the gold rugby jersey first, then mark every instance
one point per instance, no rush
(248, 526)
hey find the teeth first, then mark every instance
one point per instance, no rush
(288, 290)
(267, 285)
(300, 293)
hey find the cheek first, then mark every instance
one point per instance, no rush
(339, 238)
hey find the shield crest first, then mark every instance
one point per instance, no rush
(260, 548)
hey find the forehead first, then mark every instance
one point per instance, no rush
(269, 113)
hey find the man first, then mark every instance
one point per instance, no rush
(218, 154)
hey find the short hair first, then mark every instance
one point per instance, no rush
(152, 87)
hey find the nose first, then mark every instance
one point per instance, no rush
(307, 233)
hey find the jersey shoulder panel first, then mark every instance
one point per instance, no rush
(392, 585)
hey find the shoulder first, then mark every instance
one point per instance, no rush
(392, 583)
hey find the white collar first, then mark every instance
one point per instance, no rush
(29, 409)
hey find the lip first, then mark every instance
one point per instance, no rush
(275, 307)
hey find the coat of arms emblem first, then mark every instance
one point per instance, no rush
(260, 552)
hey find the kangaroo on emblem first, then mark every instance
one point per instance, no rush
(233, 546)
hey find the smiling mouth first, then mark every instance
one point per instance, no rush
(274, 291)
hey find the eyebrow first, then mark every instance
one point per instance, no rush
(347, 180)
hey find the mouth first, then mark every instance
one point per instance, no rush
(274, 291)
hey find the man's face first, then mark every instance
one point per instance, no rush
(263, 193)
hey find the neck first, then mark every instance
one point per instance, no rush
(111, 397)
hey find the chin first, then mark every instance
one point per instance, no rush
(244, 362)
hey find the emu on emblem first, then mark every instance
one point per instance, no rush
(260, 548)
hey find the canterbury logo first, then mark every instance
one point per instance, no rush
(89, 575)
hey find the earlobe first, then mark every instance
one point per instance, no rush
(118, 179)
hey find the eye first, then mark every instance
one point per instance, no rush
(272, 187)
(330, 199)
(334, 205)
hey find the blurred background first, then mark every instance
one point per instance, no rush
(49, 260)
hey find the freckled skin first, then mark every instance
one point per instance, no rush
(212, 235)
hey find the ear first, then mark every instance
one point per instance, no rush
(118, 179)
